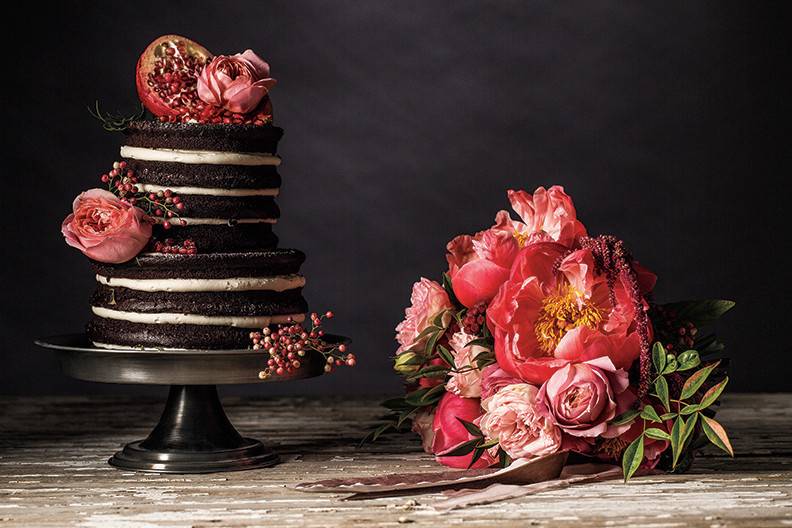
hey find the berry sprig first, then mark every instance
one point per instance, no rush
(162, 206)
(289, 343)
(169, 246)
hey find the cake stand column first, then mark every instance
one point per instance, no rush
(193, 435)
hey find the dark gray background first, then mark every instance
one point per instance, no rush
(405, 124)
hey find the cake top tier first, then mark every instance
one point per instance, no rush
(227, 138)
(180, 81)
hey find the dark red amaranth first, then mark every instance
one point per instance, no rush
(614, 260)
(474, 319)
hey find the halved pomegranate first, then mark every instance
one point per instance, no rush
(166, 76)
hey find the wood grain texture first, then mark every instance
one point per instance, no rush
(53, 473)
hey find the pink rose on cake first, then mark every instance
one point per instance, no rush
(428, 299)
(106, 228)
(237, 83)
(516, 417)
(555, 309)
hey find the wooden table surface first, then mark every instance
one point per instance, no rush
(53, 472)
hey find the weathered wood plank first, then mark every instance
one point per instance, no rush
(53, 473)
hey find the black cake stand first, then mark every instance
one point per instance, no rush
(194, 434)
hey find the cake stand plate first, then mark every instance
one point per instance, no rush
(193, 434)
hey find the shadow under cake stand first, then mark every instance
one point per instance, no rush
(194, 434)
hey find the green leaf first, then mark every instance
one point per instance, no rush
(477, 452)
(396, 404)
(376, 433)
(431, 342)
(649, 413)
(658, 357)
(405, 415)
(413, 399)
(438, 319)
(447, 286)
(503, 458)
(690, 425)
(694, 382)
(426, 332)
(445, 355)
(701, 312)
(677, 432)
(485, 342)
(489, 443)
(689, 409)
(471, 428)
(716, 434)
(432, 396)
(671, 366)
(633, 455)
(657, 434)
(463, 448)
(688, 359)
(667, 416)
(714, 392)
(661, 388)
(626, 417)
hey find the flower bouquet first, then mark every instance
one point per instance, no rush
(541, 339)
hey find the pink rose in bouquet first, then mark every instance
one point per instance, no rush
(450, 433)
(106, 228)
(480, 264)
(428, 299)
(237, 83)
(516, 417)
(555, 308)
(494, 378)
(584, 397)
(466, 379)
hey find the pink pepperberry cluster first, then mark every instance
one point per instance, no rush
(164, 205)
(474, 319)
(289, 343)
(169, 246)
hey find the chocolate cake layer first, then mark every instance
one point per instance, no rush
(111, 331)
(245, 303)
(206, 265)
(188, 136)
(173, 174)
(225, 238)
(232, 207)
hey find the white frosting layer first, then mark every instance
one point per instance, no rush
(278, 283)
(241, 321)
(211, 157)
(222, 221)
(208, 191)
(127, 347)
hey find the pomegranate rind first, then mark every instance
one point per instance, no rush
(156, 50)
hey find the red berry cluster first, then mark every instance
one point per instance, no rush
(164, 205)
(288, 344)
(474, 319)
(675, 334)
(169, 246)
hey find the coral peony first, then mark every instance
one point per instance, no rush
(237, 83)
(547, 215)
(516, 417)
(555, 309)
(584, 397)
(106, 228)
(450, 433)
(428, 299)
(467, 381)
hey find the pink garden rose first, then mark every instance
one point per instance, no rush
(422, 424)
(555, 309)
(428, 299)
(584, 397)
(237, 83)
(478, 265)
(493, 379)
(106, 228)
(449, 433)
(516, 417)
(466, 383)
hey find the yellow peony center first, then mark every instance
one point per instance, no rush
(521, 238)
(561, 312)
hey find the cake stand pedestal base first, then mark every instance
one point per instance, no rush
(193, 435)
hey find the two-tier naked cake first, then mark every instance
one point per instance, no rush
(182, 238)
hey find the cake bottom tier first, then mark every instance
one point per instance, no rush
(112, 333)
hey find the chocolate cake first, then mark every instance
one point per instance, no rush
(238, 281)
